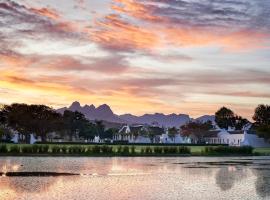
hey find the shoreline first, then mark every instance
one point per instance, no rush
(111, 156)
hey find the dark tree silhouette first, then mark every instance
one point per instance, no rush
(262, 121)
(224, 118)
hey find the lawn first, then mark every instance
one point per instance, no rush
(264, 151)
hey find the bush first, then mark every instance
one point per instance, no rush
(125, 150)
(27, 149)
(133, 150)
(148, 150)
(96, 149)
(64, 149)
(44, 149)
(3, 148)
(119, 149)
(166, 150)
(106, 149)
(14, 149)
(172, 150)
(77, 149)
(229, 150)
(55, 149)
(158, 150)
(184, 150)
(35, 148)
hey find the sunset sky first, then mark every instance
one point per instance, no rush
(138, 56)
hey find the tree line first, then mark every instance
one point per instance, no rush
(43, 120)
(226, 118)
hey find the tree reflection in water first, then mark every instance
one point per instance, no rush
(262, 182)
(27, 184)
(226, 177)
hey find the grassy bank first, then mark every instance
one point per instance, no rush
(125, 150)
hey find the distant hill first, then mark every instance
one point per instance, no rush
(105, 113)
(206, 118)
(102, 112)
(158, 119)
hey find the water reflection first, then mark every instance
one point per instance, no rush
(263, 182)
(27, 185)
(226, 177)
(136, 178)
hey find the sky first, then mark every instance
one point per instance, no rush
(138, 56)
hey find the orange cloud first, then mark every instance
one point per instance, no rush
(114, 32)
(151, 30)
(46, 12)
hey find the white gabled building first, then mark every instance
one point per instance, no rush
(232, 137)
(146, 134)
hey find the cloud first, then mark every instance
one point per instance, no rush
(114, 33)
(20, 21)
(149, 25)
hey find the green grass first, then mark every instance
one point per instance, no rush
(262, 151)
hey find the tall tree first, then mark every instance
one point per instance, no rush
(197, 129)
(27, 119)
(262, 121)
(172, 132)
(100, 127)
(224, 118)
(74, 123)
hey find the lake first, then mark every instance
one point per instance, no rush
(138, 178)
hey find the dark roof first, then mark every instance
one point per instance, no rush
(236, 132)
(210, 134)
(156, 130)
(135, 129)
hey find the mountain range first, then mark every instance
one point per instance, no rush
(104, 112)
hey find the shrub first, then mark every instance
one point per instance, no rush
(158, 150)
(166, 150)
(35, 148)
(119, 149)
(125, 150)
(44, 149)
(64, 149)
(3, 148)
(142, 150)
(106, 149)
(14, 149)
(172, 150)
(133, 150)
(55, 149)
(148, 150)
(228, 150)
(96, 149)
(183, 150)
(26, 149)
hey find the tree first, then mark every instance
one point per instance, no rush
(240, 122)
(100, 127)
(172, 132)
(27, 119)
(74, 123)
(88, 130)
(224, 118)
(109, 133)
(262, 121)
(197, 129)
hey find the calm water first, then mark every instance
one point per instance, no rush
(135, 178)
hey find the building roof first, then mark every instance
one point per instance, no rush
(236, 132)
(139, 129)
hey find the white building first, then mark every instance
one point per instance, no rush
(146, 134)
